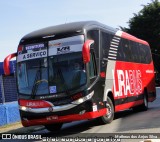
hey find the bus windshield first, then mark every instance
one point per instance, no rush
(60, 73)
(32, 77)
(66, 72)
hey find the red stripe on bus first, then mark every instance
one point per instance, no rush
(133, 38)
(67, 118)
(127, 105)
(35, 103)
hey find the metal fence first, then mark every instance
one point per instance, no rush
(8, 91)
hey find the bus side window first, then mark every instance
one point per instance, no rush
(148, 54)
(105, 43)
(141, 53)
(92, 66)
(127, 50)
(120, 55)
(94, 35)
(135, 51)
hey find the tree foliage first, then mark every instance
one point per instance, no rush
(146, 24)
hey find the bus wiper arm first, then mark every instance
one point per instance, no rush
(35, 84)
(62, 78)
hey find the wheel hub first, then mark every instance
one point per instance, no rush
(109, 110)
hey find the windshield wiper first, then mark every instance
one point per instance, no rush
(35, 85)
(62, 78)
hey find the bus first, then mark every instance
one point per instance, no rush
(81, 71)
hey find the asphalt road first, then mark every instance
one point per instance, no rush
(124, 122)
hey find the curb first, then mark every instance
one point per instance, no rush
(18, 128)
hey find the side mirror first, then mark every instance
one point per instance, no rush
(6, 66)
(86, 51)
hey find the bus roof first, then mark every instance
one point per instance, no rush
(75, 28)
(70, 28)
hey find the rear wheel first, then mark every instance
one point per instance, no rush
(54, 127)
(144, 106)
(110, 113)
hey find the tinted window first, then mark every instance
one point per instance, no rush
(92, 66)
(94, 35)
(142, 53)
(127, 50)
(135, 51)
(131, 51)
(124, 51)
(120, 54)
(148, 54)
(105, 43)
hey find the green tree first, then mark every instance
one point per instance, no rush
(146, 25)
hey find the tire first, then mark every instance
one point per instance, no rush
(144, 106)
(54, 127)
(108, 118)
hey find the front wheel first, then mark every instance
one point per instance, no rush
(110, 113)
(54, 127)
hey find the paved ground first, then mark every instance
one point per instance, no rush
(127, 122)
(18, 128)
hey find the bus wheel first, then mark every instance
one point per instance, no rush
(144, 106)
(54, 127)
(110, 113)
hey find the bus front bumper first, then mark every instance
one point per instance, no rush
(62, 119)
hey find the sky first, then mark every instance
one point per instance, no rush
(20, 17)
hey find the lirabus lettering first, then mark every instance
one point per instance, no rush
(127, 82)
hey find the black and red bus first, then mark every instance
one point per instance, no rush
(81, 70)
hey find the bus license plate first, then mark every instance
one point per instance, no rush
(52, 117)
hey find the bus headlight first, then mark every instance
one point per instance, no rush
(81, 100)
(23, 108)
